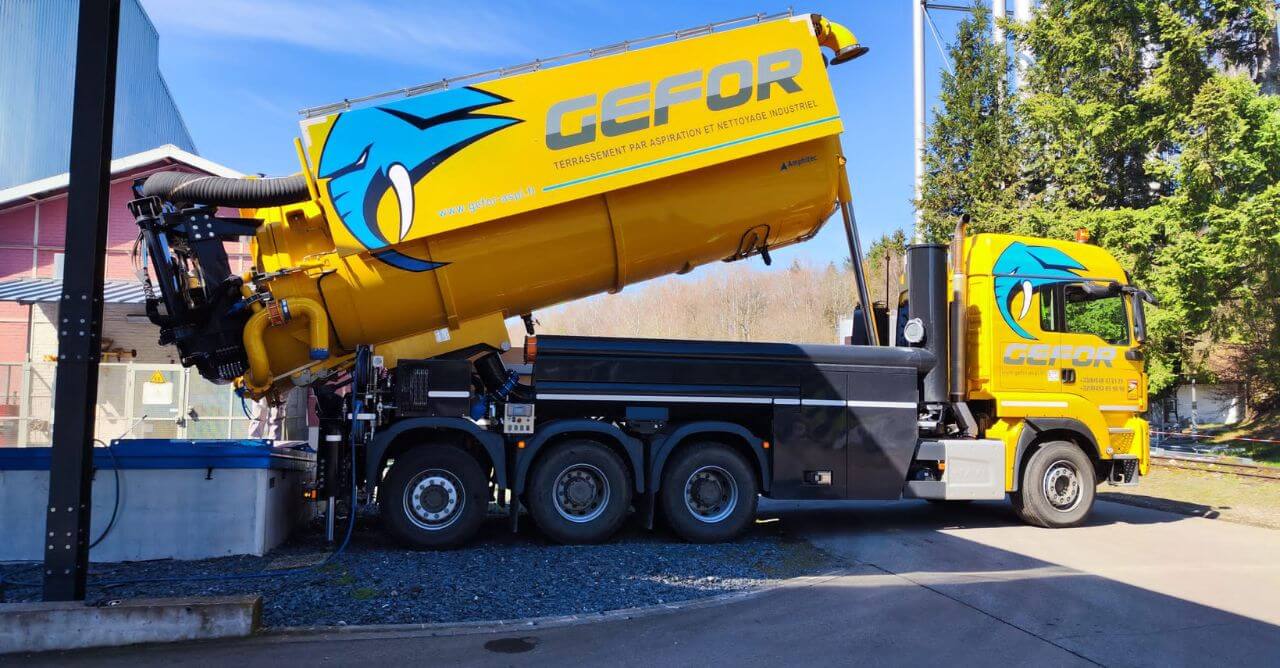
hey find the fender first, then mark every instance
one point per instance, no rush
(526, 455)
(491, 442)
(1036, 426)
(664, 443)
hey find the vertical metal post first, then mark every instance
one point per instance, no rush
(855, 259)
(917, 46)
(1022, 56)
(66, 556)
(998, 37)
(997, 15)
(1195, 415)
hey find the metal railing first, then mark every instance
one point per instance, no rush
(137, 400)
(533, 65)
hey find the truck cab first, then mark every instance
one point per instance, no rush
(1054, 354)
(1054, 337)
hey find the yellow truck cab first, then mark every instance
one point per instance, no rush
(1054, 354)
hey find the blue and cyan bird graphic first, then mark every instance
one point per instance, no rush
(1021, 269)
(392, 147)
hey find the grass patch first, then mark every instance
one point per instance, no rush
(1264, 426)
(798, 558)
(364, 593)
(344, 579)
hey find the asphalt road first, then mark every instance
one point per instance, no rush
(966, 585)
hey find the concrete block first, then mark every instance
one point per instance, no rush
(177, 500)
(41, 627)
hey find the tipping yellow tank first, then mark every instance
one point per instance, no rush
(437, 215)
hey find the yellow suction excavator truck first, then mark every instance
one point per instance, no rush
(424, 218)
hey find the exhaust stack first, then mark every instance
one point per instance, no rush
(959, 314)
(927, 290)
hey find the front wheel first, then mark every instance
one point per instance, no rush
(1057, 488)
(435, 496)
(708, 493)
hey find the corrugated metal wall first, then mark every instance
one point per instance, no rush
(37, 65)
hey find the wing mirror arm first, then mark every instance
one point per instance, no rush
(1140, 297)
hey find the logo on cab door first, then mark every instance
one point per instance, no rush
(1043, 354)
(1020, 271)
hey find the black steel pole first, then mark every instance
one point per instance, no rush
(66, 556)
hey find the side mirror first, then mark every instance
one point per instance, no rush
(1140, 298)
(1139, 321)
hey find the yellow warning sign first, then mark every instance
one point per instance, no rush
(157, 378)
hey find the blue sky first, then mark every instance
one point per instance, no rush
(241, 69)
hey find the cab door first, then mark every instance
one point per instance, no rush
(1098, 357)
(1022, 355)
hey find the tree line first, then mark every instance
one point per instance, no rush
(1154, 126)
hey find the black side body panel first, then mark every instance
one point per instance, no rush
(841, 419)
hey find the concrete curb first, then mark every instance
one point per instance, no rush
(42, 627)
(447, 629)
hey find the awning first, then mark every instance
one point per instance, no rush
(37, 290)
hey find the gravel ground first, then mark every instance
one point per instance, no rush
(1233, 498)
(498, 576)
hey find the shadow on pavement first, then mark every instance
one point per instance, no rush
(1168, 505)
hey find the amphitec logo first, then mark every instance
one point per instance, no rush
(791, 164)
(574, 122)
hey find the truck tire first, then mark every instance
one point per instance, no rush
(1057, 488)
(579, 492)
(708, 493)
(434, 497)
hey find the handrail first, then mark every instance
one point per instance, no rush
(585, 54)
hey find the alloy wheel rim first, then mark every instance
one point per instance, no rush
(1062, 485)
(580, 493)
(711, 494)
(433, 499)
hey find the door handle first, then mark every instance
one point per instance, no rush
(1068, 375)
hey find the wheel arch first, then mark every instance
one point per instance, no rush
(736, 436)
(404, 434)
(1037, 431)
(629, 447)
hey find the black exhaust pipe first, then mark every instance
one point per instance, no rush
(927, 292)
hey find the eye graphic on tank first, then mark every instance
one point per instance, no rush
(391, 148)
(1020, 271)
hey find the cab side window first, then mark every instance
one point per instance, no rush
(1103, 317)
(1049, 318)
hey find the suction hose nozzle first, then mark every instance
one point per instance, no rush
(839, 39)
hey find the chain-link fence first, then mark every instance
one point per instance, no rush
(135, 400)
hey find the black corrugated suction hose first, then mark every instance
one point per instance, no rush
(221, 191)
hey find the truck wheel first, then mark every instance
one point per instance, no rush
(579, 492)
(435, 496)
(1057, 487)
(708, 493)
